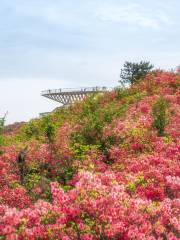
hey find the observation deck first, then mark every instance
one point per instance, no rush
(67, 96)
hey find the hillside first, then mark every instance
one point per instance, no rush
(105, 168)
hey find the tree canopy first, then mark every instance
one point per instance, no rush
(132, 72)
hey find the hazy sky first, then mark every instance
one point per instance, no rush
(66, 43)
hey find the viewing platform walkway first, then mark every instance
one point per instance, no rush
(67, 96)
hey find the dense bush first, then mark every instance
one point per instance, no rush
(159, 111)
(106, 168)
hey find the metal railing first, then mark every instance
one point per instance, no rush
(68, 90)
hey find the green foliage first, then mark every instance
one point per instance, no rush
(48, 128)
(92, 120)
(108, 116)
(122, 92)
(113, 110)
(160, 116)
(49, 218)
(65, 173)
(81, 150)
(132, 72)
(1, 141)
(2, 121)
(90, 106)
(2, 237)
(32, 180)
(92, 129)
(66, 187)
(128, 96)
(32, 130)
(131, 186)
(40, 129)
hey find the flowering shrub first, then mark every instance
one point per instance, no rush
(117, 178)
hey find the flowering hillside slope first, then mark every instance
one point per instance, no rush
(106, 168)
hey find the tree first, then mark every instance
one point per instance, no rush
(132, 72)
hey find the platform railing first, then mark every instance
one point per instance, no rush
(82, 89)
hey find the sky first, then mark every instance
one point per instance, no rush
(48, 44)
